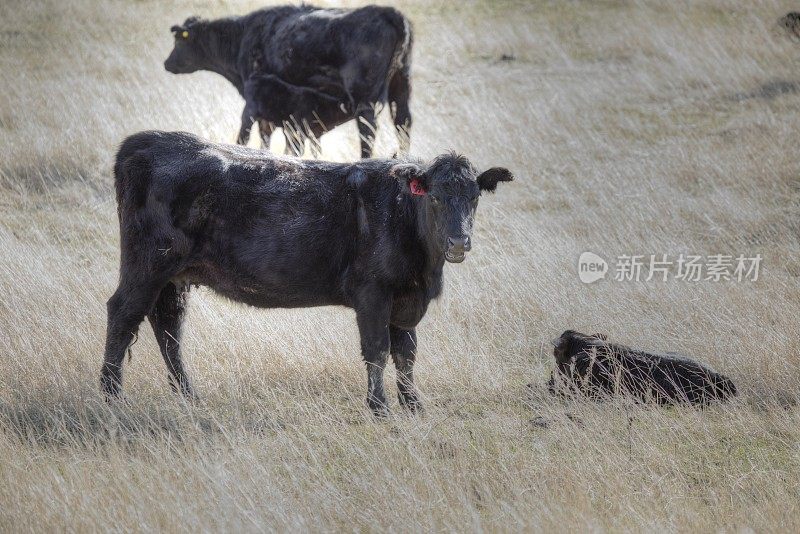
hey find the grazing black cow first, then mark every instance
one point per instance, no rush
(278, 232)
(303, 112)
(593, 366)
(363, 54)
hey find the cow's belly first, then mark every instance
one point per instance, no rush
(275, 298)
(271, 293)
(280, 264)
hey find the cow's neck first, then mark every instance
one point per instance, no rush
(432, 272)
(223, 42)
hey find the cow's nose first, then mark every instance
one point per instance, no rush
(459, 244)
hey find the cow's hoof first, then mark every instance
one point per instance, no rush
(185, 389)
(380, 412)
(115, 398)
(379, 409)
(412, 404)
(110, 389)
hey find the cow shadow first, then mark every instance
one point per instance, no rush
(769, 91)
(88, 422)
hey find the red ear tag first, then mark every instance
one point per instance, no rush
(416, 188)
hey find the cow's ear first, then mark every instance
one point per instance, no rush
(412, 177)
(487, 181)
(175, 29)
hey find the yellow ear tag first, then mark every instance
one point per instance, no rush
(185, 34)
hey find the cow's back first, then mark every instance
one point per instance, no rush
(297, 43)
(693, 381)
(273, 218)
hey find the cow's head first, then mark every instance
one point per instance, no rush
(572, 343)
(448, 191)
(791, 23)
(188, 55)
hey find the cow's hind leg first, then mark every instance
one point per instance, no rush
(399, 95)
(126, 311)
(166, 317)
(404, 353)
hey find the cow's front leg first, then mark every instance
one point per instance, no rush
(404, 353)
(372, 313)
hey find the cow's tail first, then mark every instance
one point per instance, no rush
(132, 173)
(402, 54)
(399, 89)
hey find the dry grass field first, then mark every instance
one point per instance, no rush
(633, 127)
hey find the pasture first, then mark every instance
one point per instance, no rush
(633, 128)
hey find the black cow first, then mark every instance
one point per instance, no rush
(363, 54)
(278, 232)
(303, 112)
(791, 23)
(593, 366)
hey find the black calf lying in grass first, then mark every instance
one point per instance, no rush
(592, 366)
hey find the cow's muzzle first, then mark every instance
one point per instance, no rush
(457, 248)
(173, 67)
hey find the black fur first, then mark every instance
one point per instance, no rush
(303, 112)
(791, 22)
(593, 366)
(362, 55)
(279, 232)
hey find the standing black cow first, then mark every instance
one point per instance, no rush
(362, 54)
(279, 232)
(593, 366)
